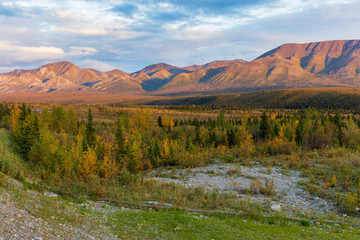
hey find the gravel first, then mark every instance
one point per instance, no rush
(289, 194)
(18, 222)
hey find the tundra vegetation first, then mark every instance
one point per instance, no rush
(105, 151)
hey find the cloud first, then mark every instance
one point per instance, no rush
(82, 51)
(132, 34)
(10, 53)
(98, 65)
(215, 6)
(89, 31)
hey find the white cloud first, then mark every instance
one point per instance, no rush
(85, 31)
(98, 65)
(81, 51)
(282, 7)
(10, 53)
(195, 34)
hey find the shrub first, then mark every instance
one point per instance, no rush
(269, 188)
(255, 186)
(2, 179)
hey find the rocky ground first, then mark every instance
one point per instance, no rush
(28, 214)
(289, 194)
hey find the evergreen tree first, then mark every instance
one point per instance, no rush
(157, 147)
(276, 129)
(264, 126)
(298, 132)
(338, 125)
(231, 137)
(151, 155)
(197, 135)
(188, 146)
(220, 120)
(84, 144)
(90, 131)
(159, 121)
(212, 136)
(121, 148)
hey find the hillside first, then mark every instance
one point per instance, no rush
(320, 98)
(320, 64)
(65, 76)
(310, 65)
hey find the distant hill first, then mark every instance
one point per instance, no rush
(321, 64)
(65, 76)
(310, 65)
(320, 98)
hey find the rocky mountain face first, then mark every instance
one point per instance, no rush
(319, 64)
(65, 76)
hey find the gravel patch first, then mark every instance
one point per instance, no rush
(18, 222)
(236, 179)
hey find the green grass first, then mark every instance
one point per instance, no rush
(180, 225)
(10, 163)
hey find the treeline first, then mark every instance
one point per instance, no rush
(138, 142)
(325, 98)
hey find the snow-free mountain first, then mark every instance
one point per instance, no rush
(317, 64)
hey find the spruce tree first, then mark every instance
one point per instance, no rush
(231, 137)
(276, 129)
(298, 132)
(264, 126)
(197, 135)
(159, 121)
(121, 149)
(220, 120)
(90, 131)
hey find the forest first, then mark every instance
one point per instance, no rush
(104, 151)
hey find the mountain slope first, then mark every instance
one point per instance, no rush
(318, 64)
(65, 76)
(321, 64)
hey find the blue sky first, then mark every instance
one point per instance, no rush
(129, 35)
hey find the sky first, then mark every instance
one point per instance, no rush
(130, 35)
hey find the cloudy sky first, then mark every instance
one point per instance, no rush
(132, 34)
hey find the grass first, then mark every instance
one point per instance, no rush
(10, 163)
(107, 220)
(179, 225)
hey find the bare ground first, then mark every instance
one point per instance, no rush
(236, 179)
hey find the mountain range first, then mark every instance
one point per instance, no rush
(317, 64)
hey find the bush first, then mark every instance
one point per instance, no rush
(228, 158)
(269, 188)
(2, 179)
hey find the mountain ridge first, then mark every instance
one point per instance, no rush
(292, 65)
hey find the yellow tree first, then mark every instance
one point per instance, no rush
(167, 121)
(88, 163)
(14, 118)
(142, 119)
(108, 168)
